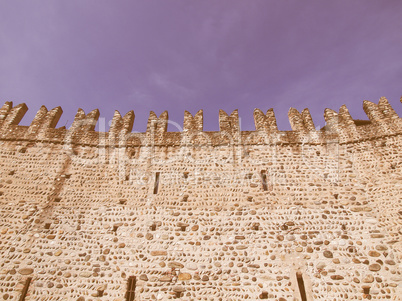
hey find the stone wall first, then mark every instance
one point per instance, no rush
(194, 215)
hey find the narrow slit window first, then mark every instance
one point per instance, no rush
(256, 226)
(156, 185)
(131, 288)
(300, 283)
(264, 180)
(25, 290)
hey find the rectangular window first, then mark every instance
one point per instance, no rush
(131, 288)
(156, 185)
(25, 290)
(264, 180)
(300, 283)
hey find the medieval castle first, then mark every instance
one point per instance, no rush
(300, 215)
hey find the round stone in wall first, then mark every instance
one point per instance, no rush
(26, 271)
(374, 267)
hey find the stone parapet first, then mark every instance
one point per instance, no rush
(340, 126)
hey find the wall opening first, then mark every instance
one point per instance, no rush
(156, 185)
(366, 289)
(47, 226)
(300, 283)
(25, 290)
(131, 288)
(264, 180)
(185, 175)
(264, 295)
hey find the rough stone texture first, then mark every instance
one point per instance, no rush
(234, 215)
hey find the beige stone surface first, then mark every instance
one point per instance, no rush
(194, 215)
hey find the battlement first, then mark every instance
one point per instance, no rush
(340, 126)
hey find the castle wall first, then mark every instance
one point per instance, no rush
(196, 215)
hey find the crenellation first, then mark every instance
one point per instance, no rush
(347, 121)
(387, 109)
(259, 120)
(383, 121)
(90, 120)
(307, 120)
(13, 115)
(347, 130)
(116, 124)
(38, 119)
(303, 127)
(193, 124)
(296, 121)
(377, 116)
(121, 126)
(229, 126)
(52, 118)
(157, 127)
(331, 119)
(85, 122)
(265, 122)
(43, 121)
(271, 121)
(5, 109)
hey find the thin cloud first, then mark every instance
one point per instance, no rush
(170, 87)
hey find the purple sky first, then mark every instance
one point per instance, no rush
(181, 55)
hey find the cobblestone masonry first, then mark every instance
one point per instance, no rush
(194, 215)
